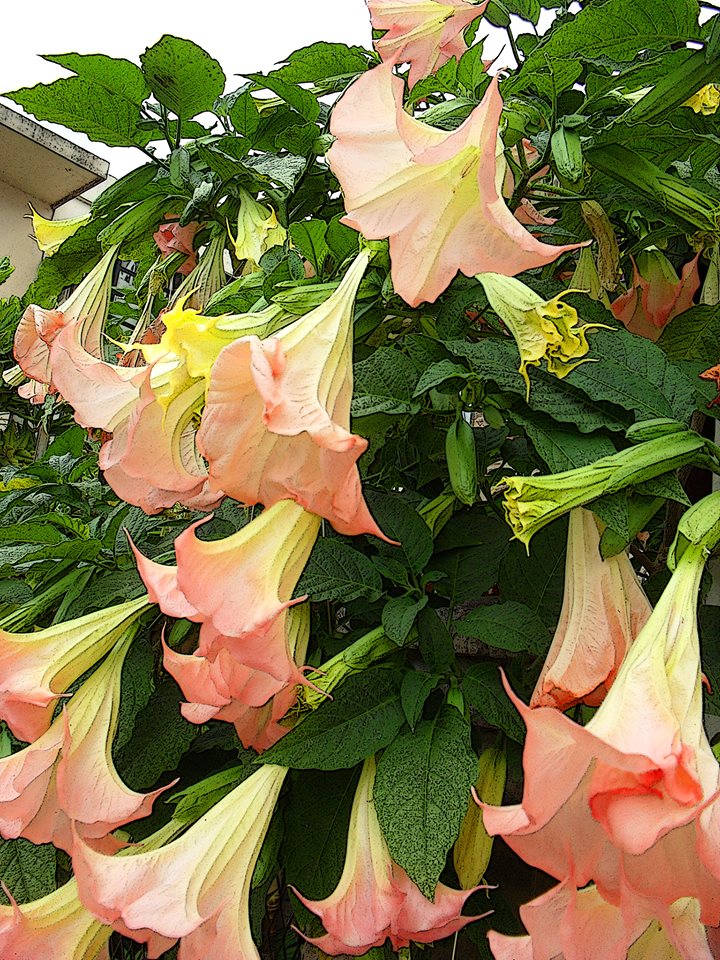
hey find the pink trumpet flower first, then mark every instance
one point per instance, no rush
(436, 194)
(172, 238)
(37, 668)
(67, 776)
(570, 924)
(56, 927)
(604, 609)
(657, 295)
(240, 587)
(632, 799)
(375, 899)
(426, 34)
(224, 689)
(277, 416)
(86, 307)
(196, 887)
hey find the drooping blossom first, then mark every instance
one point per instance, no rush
(207, 277)
(569, 924)
(705, 101)
(657, 295)
(436, 194)
(66, 778)
(172, 238)
(196, 887)
(240, 588)
(604, 608)
(630, 800)
(375, 899)
(86, 308)
(548, 330)
(533, 502)
(258, 230)
(225, 689)
(56, 927)
(426, 34)
(152, 411)
(277, 416)
(37, 668)
(49, 235)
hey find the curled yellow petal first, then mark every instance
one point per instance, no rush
(50, 234)
(705, 101)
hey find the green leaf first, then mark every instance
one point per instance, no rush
(30, 533)
(136, 687)
(284, 171)
(27, 870)
(384, 383)
(471, 71)
(183, 76)
(416, 688)
(633, 373)
(161, 736)
(527, 9)
(317, 816)
(309, 238)
(398, 520)
(336, 571)
(484, 691)
(6, 269)
(436, 645)
(196, 800)
(116, 75)
(324, 61)
(343, 241)
(438, 373)
(561, 447)
(619, 30)
(537, 578)
(399, 615)
(363, 717)
(296, 97)
(693, 335)
(85, 107)
(506, 626)
(421, 794)
(496, 359)
(244, 115)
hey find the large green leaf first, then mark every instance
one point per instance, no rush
(693, 335)
(317, 818)
(85, 107)
(336, 571)
(295, 96)
(324, 61)
(27, 870)
(497, 360)
(508, 626)
(398, 520)
(309, 238)
(484, 691)
(399, 615)
(421, 794)
(385, 383)
(561, 447)
(363, 717)
(538, 578)
(634, 373)
(116, 75)
(619, 30)
(183, 76)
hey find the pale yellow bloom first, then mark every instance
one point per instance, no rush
(705, 101)
(50, 234)
(257, 230)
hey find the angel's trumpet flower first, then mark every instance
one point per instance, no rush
(657, 294)
(277, 417)
(258, 230)
(426, 34)
(49, 235)
(37, 668)
(604, 608)
(375, 899)
(436, 194)
(197, 887)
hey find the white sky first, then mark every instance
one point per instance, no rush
(244, 35)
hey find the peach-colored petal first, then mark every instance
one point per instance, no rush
(36, 668)
(436, 195)
(172, 238)
(426, 34)
(656, 295)
(277, 416)
(202, 878)
(604, 609)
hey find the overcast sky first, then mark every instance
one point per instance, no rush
(244, 35)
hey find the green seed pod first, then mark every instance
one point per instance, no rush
(567, 153)
(473, 847)
(462, 460)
